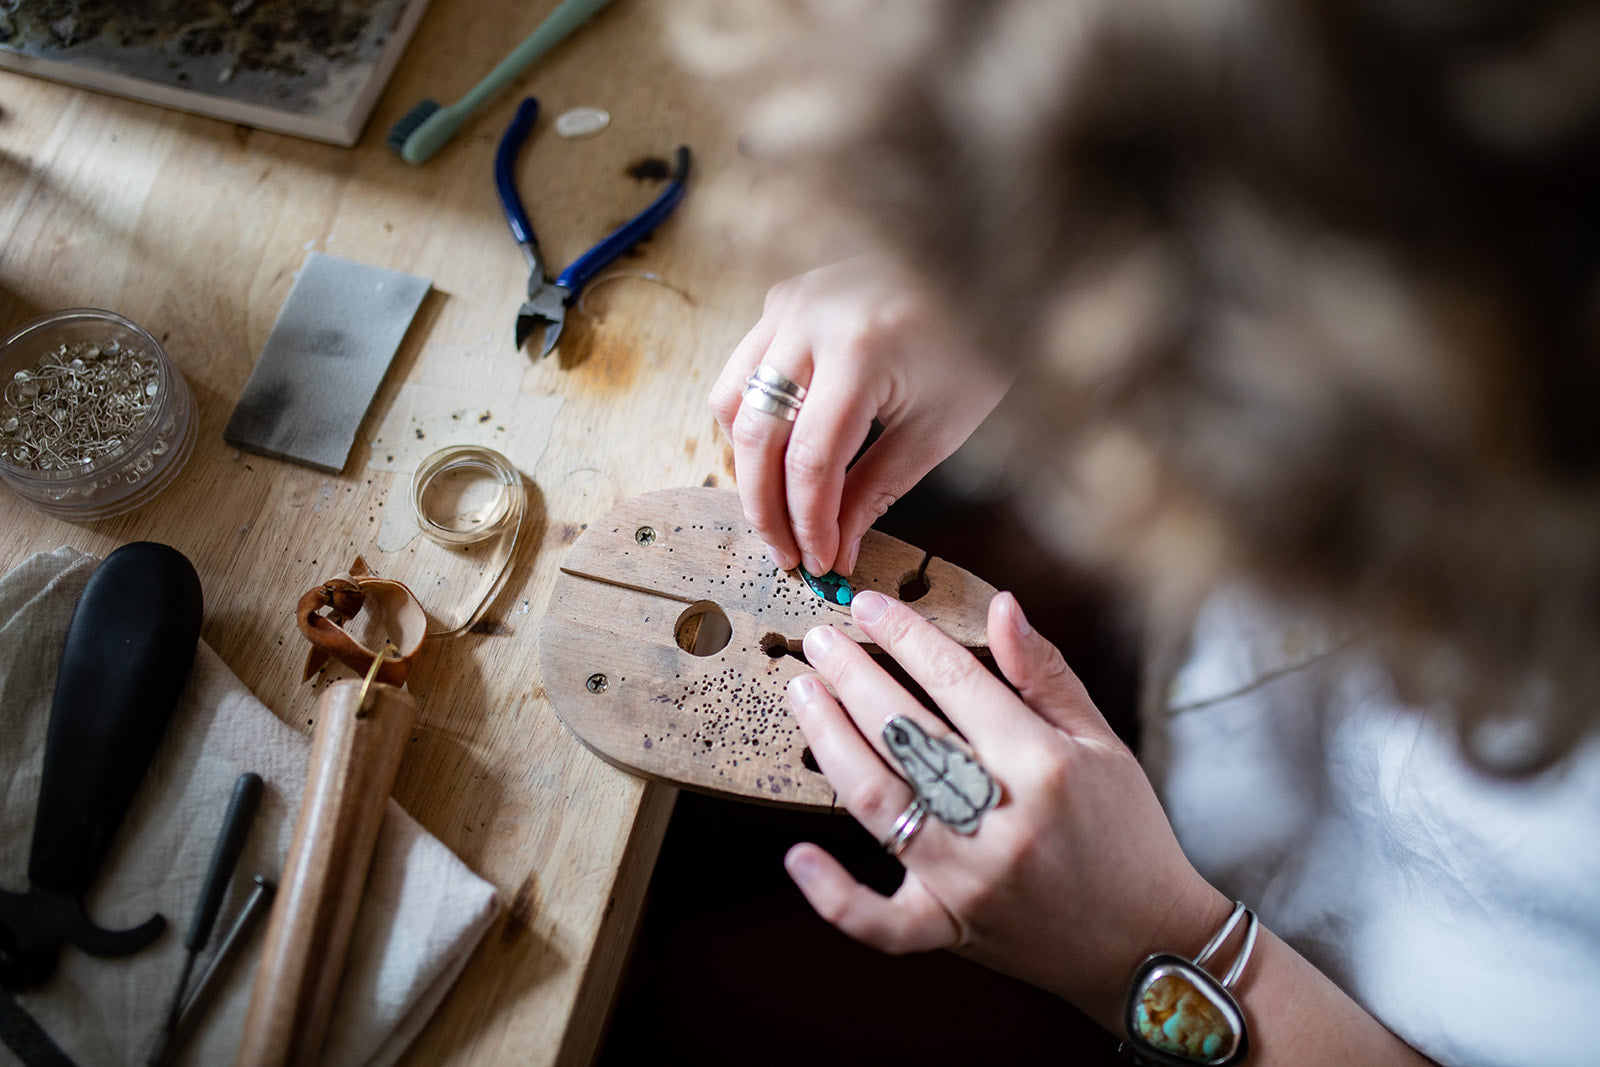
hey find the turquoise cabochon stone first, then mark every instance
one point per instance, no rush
(831, 586)
(1179, 1014)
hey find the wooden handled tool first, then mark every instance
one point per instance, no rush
(354, 758)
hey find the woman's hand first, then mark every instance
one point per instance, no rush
(866, 346)
(1072, 880)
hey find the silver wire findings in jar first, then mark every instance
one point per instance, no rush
(76, 404)
(95, 419)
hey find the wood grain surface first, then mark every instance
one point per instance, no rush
(194, 229)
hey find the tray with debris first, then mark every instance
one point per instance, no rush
(312, 68)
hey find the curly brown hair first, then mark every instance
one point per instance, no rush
(1306, 291)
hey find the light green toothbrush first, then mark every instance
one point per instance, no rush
(425, 128)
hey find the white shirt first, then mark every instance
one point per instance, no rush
(1460, 909)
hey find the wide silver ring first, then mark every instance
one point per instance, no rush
(906, 827)
(766, 398)
(772, 377)
(947, 779)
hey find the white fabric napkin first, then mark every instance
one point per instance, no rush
(422, 914)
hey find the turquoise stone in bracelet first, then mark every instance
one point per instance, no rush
(1183, 1012)
(1179, 1015)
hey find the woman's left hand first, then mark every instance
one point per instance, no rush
(1068, 883)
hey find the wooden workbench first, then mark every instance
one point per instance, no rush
(194, 228)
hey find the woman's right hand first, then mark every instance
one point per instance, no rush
(866, 345)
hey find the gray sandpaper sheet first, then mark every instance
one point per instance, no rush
(324, 360)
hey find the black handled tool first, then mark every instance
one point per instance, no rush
(128, 651)
(224, 856)
(255, 909)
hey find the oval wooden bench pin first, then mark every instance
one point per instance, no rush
(670, 639)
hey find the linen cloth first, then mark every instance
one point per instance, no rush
(421, 916)
(1459, 908)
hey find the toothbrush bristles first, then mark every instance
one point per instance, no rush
(401, 132)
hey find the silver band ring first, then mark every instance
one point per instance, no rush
(906, 827)
(782, 405)
(771, 391)
(768, 375)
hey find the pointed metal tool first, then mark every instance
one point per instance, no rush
(224, 857)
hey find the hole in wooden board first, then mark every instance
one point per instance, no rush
(777, 646)
(703, 629)
(913, 586)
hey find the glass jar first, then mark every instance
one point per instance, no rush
(134, 462)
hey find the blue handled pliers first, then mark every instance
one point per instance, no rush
(548, 300)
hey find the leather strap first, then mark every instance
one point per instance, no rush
(399, 611)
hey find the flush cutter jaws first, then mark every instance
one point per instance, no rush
(549, 299)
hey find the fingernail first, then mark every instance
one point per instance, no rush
(801, 865)
(782, 561)
(819, 640)
(850, 557)
(1019, 621)
(869, 606)
(814, 565)
(803, 691)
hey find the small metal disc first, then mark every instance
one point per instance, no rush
(582, 122)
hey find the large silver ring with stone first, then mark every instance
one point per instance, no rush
(948, 780)
(905, 827)
(769, 390)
